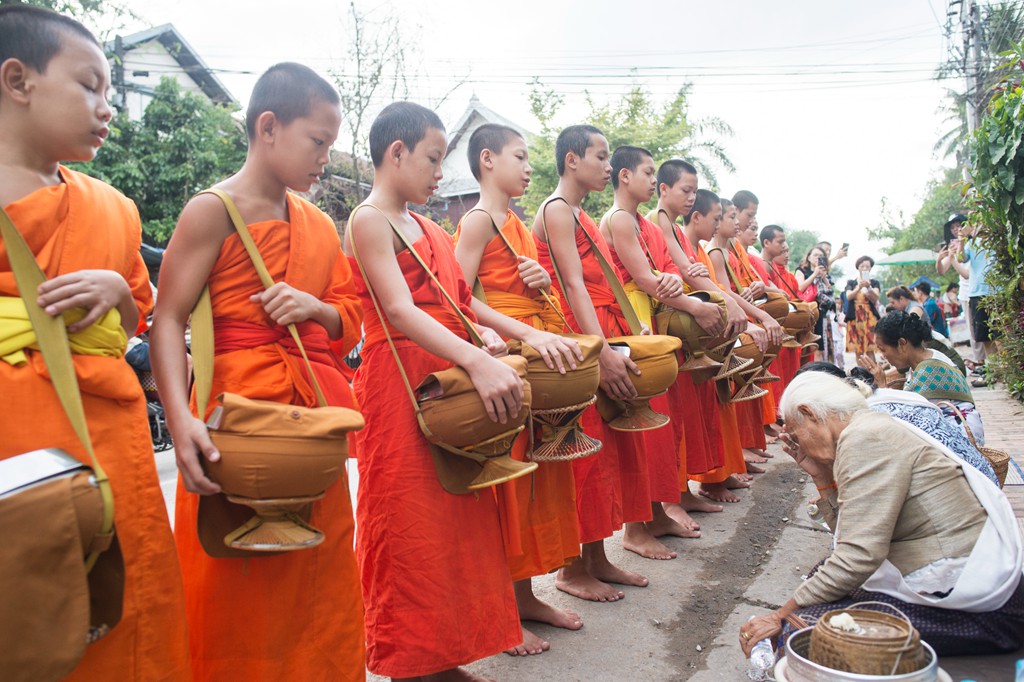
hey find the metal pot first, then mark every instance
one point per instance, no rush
(796, 667)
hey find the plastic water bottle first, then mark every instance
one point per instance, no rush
(762, 659)
(1019, 676)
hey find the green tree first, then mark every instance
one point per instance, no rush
(636, 119)
(102, 16)
(182, 144)
(997, 208)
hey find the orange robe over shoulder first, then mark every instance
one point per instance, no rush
(542, 533)
(296, 615)
(435, 579)
(85, 224)
(612, 486)
(666, 447)
(732, 451)
(702, 427)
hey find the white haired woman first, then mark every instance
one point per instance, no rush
(913, 526)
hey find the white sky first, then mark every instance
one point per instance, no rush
(832, 102)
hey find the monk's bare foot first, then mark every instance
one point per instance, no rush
(577, 581)
(620, 576)
(663, 524)
(636, 537)
(754, 456)
(453, 675)
(694, 504)
(679, 515)
(738, 481)
(754, 469)
(531, 646)
(532, 608)
(717, 492)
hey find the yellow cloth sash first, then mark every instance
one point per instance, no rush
(640, 301)
(521, 307)
(105, 337)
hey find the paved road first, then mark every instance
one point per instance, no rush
(750, 560)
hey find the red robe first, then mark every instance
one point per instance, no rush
(666, 447)
(790, 357)
(732, 451)
(611, 486)
(78, 225)
(539, 511)
(435, 580)
(700, 425)
(750, 414)
(296, 615)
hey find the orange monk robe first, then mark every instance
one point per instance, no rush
(539, 511)
(435, 580)
(702, 426)
(792, 357)
(752, 269)
(85, 224)
(732, 451)
(611, 486)
(666, 447)
(749, 414)
(788, 360)
(296, 615)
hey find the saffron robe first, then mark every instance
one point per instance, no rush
(792, 358)
(788, 360)
(666, 447)
(701, 424)
(612, 486)
(435, 579)
(296, 615)
(78, 225)
(732, 450)
(751, 415)
(539, 511)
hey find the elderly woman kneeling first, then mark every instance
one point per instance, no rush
(912, 526)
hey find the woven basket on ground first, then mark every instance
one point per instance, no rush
(886, 644)
(999, 459)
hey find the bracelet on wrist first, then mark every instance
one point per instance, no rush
(823, 488)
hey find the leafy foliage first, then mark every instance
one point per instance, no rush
(183, 144)
(102, 16)
(997, 205)
(666, 131)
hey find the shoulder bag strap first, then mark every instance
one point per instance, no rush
(203, 314)
(732, 275)
(52, 338)
(544, 294)
(380, 315)
(613, 280)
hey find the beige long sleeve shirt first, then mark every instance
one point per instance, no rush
(898, 498)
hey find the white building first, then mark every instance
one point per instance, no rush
(140, 60)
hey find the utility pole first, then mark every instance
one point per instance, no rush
(972, 61)
(121, 90)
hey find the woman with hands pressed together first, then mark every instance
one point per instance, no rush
(913, 527)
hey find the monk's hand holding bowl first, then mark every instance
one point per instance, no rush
(615, 369)
(557, 351)
(192, 441)
(499, 386)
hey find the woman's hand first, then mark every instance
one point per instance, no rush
(868, 362)
(818, 470)
(758, 628)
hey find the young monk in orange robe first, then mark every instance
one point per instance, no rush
(775, 252)
(703, 440)
(435, 578)
(294, 615)
(85, 236)
(611, 486)
(701, 224)
(541, 533)
(749, 414)
(643, 263)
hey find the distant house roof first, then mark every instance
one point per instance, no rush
(458, 179)
(183, 53)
